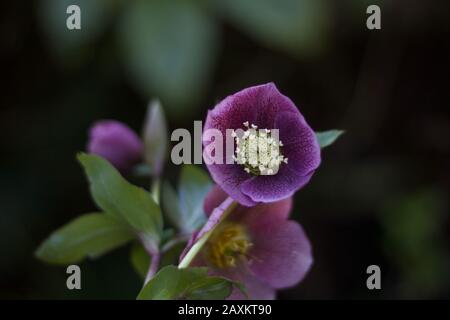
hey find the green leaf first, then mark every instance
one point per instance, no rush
(155, 137)
(170, 49)
(299, 27)
(171, 204)
(193, 187)
(185, 210)
(118, 197)
(140, 259)
(189, 283)
(327, 138)
(210, 288)
(89, 235)
(413, 229)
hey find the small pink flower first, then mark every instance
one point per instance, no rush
(257, 246)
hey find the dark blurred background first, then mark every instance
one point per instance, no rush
(380, 196)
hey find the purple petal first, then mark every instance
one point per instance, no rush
(300, 143)
(276, 187)
(303, 153)
(257, 104)
(281, 255)
(256, 289)
(281, 209)
(276, 212)
(230, 177)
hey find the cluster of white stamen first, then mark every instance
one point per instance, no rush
(258, 151)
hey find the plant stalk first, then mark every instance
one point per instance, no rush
(198, 245)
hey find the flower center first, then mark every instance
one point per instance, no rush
(258, 151)
(227, 245)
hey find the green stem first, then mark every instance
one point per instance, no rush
(195, 249)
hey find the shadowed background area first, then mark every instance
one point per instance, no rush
(380, 196)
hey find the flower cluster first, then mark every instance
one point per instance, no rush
(236, 232)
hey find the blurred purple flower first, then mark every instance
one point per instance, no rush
(257, 246)
(115, 142)
(264, 107)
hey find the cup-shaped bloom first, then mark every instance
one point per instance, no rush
(115, 142)
(263, 108)
(257, 246)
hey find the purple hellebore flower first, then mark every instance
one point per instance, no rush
(115, 142)
(264, 107)
(257, 246)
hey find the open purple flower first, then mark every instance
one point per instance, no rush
(115, 142)
(257, 246)
(264, 107)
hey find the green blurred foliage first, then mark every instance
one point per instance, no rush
(413, 240)
(298, 27)
(169, 49)
(74, 48)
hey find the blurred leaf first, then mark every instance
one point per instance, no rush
(89, 235)
(185, 210)
(171, 204)
(117, 196)
(327, 138)
(193, 187)
(170, 49)
(155, 137)
(140, 259)
(189, 283)
(298, 27)
(412, 231)
(412, 221)
(210, 288)
(74, 44)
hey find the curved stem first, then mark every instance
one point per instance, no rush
(218, 215)
(173, 242)
(155, 257)
(154, 253)
(154, 264)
